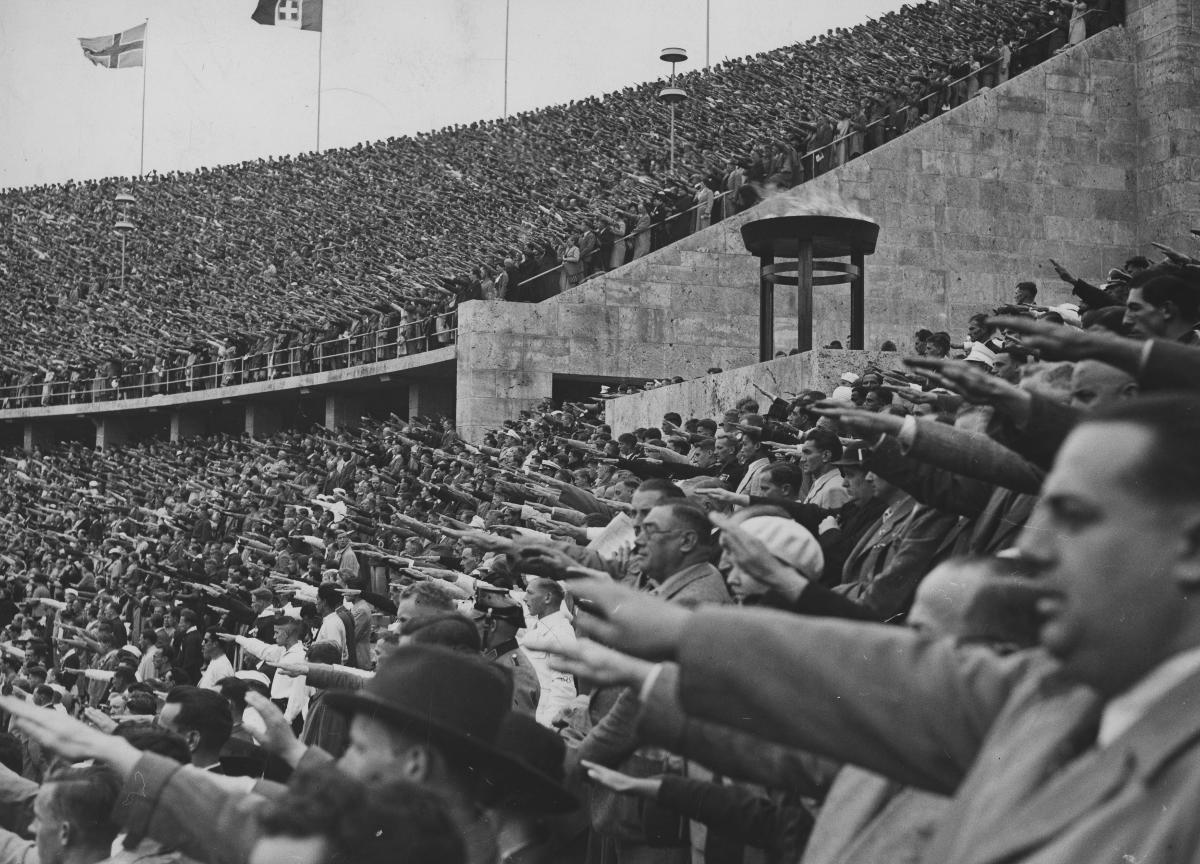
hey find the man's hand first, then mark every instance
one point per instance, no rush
(543, 559)
(755, 560)
(277, 737)
(226, 637)
(1060, 342)
(72, 739)
(1062, 272)
(723, 496)
(594, 662)
(642, 787)
(100, 720)
(627, 620)
(293, 669)
(861, 423)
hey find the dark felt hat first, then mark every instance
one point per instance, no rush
(451, 698)
(530, 770)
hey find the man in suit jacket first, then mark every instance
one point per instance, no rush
(674, 547)
(1090, 743)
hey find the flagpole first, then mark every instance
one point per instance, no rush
(506, 10)
(320, 54)
(145, 63)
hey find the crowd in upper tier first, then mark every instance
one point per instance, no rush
(273, 266)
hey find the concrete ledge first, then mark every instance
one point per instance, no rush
(438, 363)
(711, 395)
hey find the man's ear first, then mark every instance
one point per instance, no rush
(193, 740)
(1169, 310)
(65, 834)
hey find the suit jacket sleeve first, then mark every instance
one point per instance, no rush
(820, 600)
(1048, 426)
(331, 677)
(191, 810)
(913, 709)
(722, 749)
(738, 812)
(1171, 366)
(937, 487)
(973, 455)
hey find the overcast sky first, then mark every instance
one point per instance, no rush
(220, 88)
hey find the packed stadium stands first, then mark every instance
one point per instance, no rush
(276, 266)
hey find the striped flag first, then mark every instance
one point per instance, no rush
(298, 14)
(118, 51)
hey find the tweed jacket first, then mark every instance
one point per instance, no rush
(1007, 737)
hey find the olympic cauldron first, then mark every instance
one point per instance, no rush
(791, 250)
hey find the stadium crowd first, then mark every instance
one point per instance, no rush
(288, 265)
(972, 576)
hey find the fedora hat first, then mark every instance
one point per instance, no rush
(852, 457)
(449, 697)
(529, 772)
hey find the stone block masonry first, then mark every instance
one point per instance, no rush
(1047, 165)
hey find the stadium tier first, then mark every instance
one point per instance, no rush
(283, 266)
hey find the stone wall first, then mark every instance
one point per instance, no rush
(1167, 51)
(968, 204)
(711, 395)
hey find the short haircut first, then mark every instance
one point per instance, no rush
(824, 440)
(142, 703)
(328, 593)
(1030, 287)
(377, 823)
(428, 594)
(691, 518)
(665, 488)
(1166, 284)
(206, 712)
(150, 738)
(1170, 466)
(448, 629)
(84, 797)
(325, 652)
(923, 334)
(551, 587)
(784, 474)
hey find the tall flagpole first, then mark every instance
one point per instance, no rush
(506, 10)
(320, 54)
(145, 58)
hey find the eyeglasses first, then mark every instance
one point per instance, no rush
(650, 532)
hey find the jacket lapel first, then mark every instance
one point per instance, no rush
(1169, 728)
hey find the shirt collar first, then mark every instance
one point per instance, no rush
(1125, 710)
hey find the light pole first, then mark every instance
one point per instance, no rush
(672, 95)
(123, 226)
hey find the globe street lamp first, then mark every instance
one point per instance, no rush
(123, 226)
(672, 95)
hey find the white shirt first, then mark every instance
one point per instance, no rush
(558, 688)
(217, 670)
(1121, 713)
(333, 630)
(292, 688)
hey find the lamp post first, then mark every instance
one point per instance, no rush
(672, 95)
(123, 226)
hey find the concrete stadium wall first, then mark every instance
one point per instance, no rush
(1044, 166)
(711, 395)
(1167, 54)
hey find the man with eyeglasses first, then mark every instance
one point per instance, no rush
(675, 549)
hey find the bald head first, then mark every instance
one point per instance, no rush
(943, 597)
(1095, 384)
